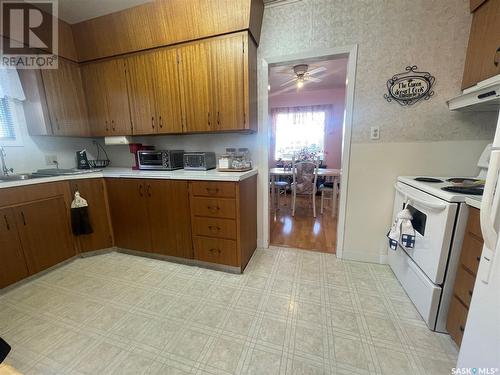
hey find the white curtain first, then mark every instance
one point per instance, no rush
(10, 85)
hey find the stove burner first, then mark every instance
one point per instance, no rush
(428, 179)
(465, 189)
(462, 180)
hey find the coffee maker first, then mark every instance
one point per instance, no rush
(82, 162)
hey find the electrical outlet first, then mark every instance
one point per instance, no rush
(51, 159)
(375, 133)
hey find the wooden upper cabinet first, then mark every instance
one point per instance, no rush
(140, 76)
(227, 73)
(164, 22)
(167, 91)
(483, 52)
(107, 96)
(65, 99)
(154, 92)
(197, 91)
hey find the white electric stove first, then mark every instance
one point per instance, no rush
(427, 271)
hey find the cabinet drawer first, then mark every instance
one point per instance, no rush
(457, 317)
(471, 252)
(214, 189)
(211, 227)
(464, 285)
(214, 250)
(222, 208)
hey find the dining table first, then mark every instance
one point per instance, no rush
(334, 174)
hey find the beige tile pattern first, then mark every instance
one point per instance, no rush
(292, 312)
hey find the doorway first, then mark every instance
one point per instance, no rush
(307, 114)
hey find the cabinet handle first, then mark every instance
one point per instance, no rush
(214, 228)
(495, 59)
(213, 208)
(148, 190)
(209, 124)
(153, 122)
(113, 125)
(107, 125)
(161, 122)
(24, 219)
(218, 118)
(215, 250)
(141, 190)
(6, 222)
(212, 190)
(461, 328)
(478, 258)
(470, 293)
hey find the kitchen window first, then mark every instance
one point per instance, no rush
(7, 129)
(11, 107)
(299, 129)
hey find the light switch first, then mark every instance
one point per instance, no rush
(51, 159)
(375, 133)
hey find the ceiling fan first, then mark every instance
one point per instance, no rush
(302, 74)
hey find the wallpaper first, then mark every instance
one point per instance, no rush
(391, 34)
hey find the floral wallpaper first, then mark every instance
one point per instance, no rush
(391, 34)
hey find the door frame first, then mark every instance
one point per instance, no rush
(350, 51)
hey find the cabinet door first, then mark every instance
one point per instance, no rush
(93, 190)
(168, 205)
(168, 99)
(140, 76)
(65, 99)
(11, 255)
(45, 233)
(228, 79)
(129, 213)
(114, 82)
(196, 87)
(483, 58)
(97, 101)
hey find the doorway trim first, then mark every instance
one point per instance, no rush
(351, 52)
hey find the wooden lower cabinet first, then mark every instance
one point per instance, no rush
(94, 191)
(466, 276)
(151, 215)
(44, 232)
(224, 221)
(13, 265)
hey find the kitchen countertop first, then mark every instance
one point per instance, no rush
(474, 202)
(180, 174)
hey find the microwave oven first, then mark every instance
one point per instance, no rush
(161, 160)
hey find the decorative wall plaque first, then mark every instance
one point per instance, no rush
(410, 86)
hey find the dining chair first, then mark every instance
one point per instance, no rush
(304, 178)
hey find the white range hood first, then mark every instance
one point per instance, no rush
(483, 97)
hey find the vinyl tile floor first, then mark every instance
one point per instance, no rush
(291, 312)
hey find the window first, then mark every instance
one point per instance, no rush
(297, 130)
(7, 130)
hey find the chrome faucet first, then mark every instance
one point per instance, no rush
(5, 170)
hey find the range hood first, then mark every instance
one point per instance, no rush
(483, 97)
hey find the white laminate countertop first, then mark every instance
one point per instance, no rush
(474, 202)
(180, 174)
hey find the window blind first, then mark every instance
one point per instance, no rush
(6, 122)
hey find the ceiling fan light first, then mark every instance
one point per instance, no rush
(300, 83)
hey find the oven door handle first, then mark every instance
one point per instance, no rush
(429, 205)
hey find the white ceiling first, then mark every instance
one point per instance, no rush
(333, 77)
(74, 11)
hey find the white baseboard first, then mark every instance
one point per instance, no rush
(364, 256)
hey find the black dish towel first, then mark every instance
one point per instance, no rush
(80, 221)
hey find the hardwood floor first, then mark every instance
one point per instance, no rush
(303, 231)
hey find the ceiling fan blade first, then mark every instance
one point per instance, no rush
(317, 70)
(288, 82)
(313, 79)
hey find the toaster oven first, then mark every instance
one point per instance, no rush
(199, 161)
(162, 160)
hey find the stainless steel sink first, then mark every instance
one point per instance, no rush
(16, 177)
